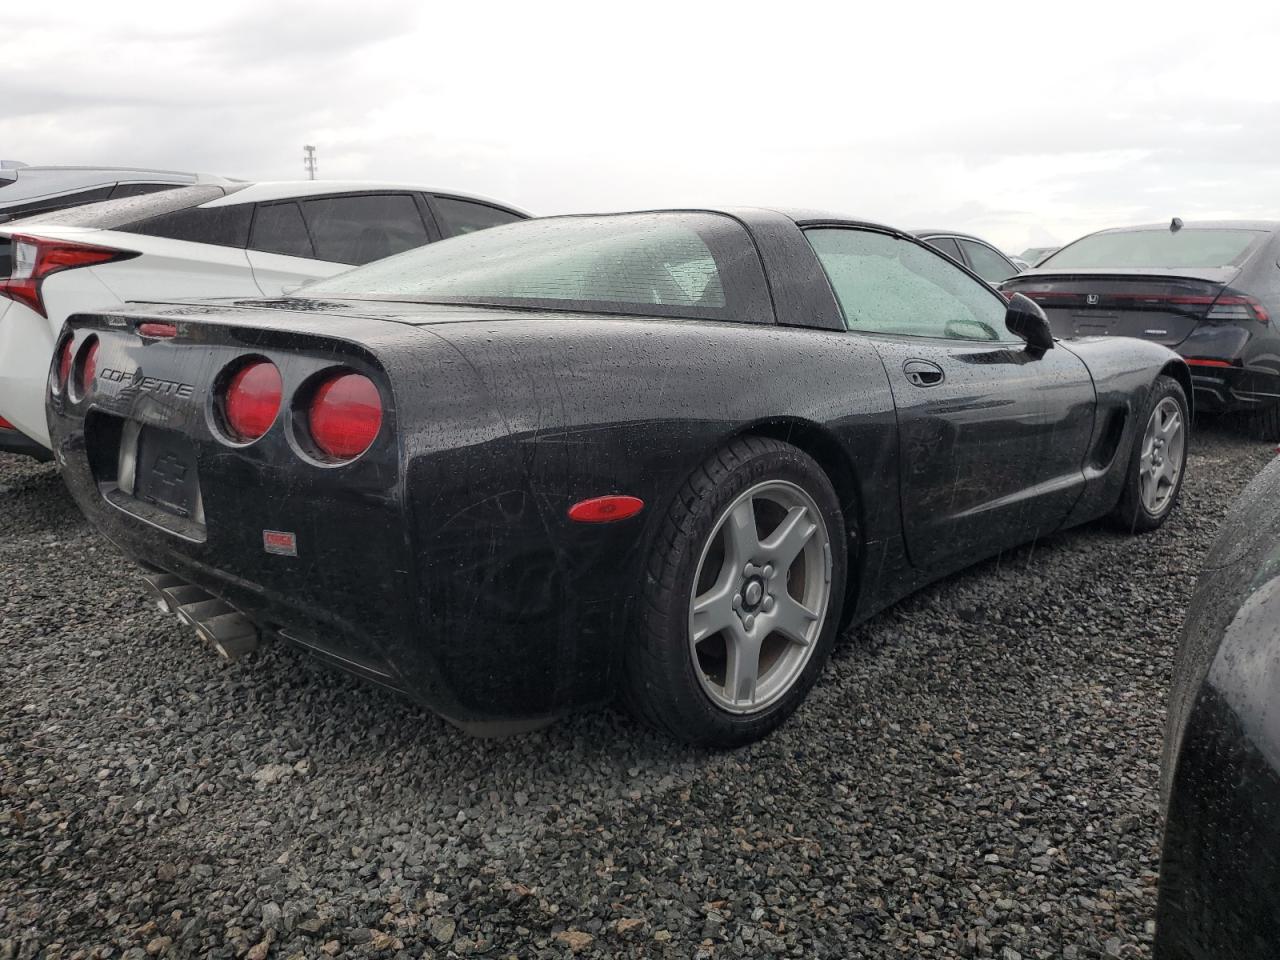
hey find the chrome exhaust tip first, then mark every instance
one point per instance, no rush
(157, 583)
(229, 632)
(232, 635)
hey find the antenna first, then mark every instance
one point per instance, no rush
(309, 161)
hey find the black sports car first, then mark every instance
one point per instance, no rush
(1220, 872)
(1210, 290)
(666, 454)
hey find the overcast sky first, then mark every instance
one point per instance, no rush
(1028, 124)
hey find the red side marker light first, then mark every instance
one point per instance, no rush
(1198, 362)
(605, 509)
(6, 425)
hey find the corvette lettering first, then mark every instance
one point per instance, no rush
(164, 388)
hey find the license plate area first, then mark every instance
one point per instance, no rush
(165, 472)
(148, 472)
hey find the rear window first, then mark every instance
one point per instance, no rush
(1188, 247)
(663, 264)
(113, 214)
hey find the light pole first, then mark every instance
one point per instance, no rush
(309, 161)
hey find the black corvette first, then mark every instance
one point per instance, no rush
(1220, 872)
(667, 455)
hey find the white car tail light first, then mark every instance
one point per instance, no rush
(35, 258)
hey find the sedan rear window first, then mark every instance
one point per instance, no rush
(663, 264)
(1158, 247)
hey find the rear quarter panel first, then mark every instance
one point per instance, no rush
(577, 408)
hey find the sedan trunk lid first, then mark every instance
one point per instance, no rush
(1149, 304)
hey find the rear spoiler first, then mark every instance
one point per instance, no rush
(1222, 275)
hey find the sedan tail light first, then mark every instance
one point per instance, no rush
(344, 415)
(1234, 305)
(252, 400)
(35, 258)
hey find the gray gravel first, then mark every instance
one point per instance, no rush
(975, 775)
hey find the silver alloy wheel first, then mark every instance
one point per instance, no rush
(1163, 446)
(757, 604)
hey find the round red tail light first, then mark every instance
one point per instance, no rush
(252, 400)
(345, 415)
(88, 367)
(64, 363)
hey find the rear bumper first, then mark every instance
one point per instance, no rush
(430, 565)
(1225, 389)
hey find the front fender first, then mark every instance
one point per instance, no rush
(1124, 369)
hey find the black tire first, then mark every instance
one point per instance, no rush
(1130, 512)
(660, 685)
(1265, 424)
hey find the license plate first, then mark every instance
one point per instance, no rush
(166, 472)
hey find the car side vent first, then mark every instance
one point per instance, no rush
(1104, 448)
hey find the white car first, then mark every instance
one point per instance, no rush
(206, 240)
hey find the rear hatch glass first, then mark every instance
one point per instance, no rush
(694, 265)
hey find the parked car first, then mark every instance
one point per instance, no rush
(1019, 263)
(668, 454)
(978, 255)
(27, 190)
(209, 240)
(1220, 870)
(1033, 255)
(1210, 290)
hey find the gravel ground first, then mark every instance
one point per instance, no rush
(975, 775)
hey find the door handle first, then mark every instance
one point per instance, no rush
(923, 373)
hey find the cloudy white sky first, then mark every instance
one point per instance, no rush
(1027, 123)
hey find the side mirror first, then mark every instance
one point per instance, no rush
(1025, 319)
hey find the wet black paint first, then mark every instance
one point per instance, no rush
(442, 561)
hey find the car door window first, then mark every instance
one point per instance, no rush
(947, 246)
(361, 229)
(278, 228)
(886, 284)
(987, 263)
(463, 216)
